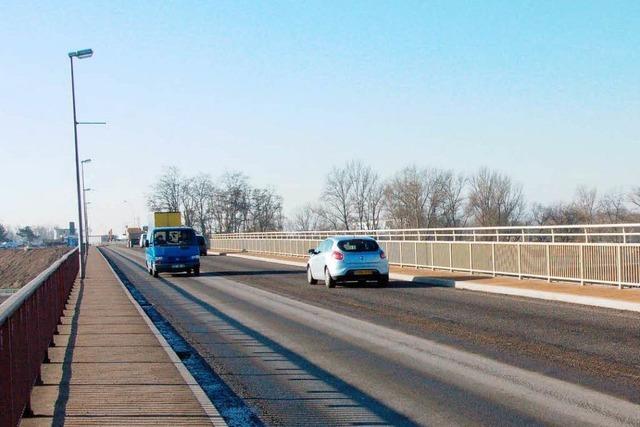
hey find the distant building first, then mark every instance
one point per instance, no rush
(65, 233)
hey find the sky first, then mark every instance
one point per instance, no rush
(547, 92)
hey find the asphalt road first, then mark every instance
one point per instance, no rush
(405, 354)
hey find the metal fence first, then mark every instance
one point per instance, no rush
(604, 254)
(28, 321)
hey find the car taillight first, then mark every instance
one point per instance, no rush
(383, 255)
(337, 255)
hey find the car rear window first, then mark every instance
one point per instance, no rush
(358, 245)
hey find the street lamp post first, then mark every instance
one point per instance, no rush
(86, 219)
(80, 54)
(84, 198)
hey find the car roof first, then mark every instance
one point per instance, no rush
(345, 237)
(172, 228)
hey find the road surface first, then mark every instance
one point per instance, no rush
(408, 354)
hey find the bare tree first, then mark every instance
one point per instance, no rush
(231, 203)
(634, 197)
(494, 200)
(612, 208)
(338, 197)
(453, 200)
(202, 193)
(586, 204)
(413, 197)
(187, 201)
(306, 218)
(166, 193)
(4, 234)
(266, 210)
(555, 214)
(367, 195)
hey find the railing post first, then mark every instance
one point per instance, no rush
(415, 252)
(582, 265)
(548, 263)
(450, 256)
(493, 258)
(400, 252)
(471, 255)
(619, 266)
(432, 265)
(519, 261)
(553, 236)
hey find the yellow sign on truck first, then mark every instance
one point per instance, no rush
(167, 219)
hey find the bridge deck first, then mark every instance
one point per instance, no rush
(109, 368)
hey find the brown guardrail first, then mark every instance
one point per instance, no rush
(28, 322)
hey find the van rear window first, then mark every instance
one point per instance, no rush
(358, 245)
(174, 237)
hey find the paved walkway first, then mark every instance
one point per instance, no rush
(110, 367)
(595, 295)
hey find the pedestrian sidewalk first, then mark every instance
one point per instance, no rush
(593, 295)
(110, 365)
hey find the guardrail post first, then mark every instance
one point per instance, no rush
(471, 255)
(416, 253)
(432, 265)
(450, 256)
(582, 265)
(619, 266)
(493, 258)
(519, 261)
(548, 263)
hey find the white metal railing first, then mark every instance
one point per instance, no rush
(612, 233)
(605, 254)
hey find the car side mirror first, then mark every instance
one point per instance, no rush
(312, 252)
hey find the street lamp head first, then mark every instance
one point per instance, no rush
(81, 54)
(85, 161)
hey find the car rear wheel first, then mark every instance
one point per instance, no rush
(329, 281)
(383, 281)
(310, 279)
(196, 271)
(154, 272)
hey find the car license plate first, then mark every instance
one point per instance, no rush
(363, 273)
(177, 266)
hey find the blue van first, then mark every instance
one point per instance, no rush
(172, 249)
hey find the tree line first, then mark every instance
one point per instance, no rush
(228, 205)
(356, 197)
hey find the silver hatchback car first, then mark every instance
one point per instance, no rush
(347, 259)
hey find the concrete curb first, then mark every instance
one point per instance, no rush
(479, 287)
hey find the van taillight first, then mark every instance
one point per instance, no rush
(383, 255)
(337, 255)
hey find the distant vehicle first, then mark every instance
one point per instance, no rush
(347, 259)
(172, 249)
(143, 240)
(8, 245)
(133, 236)
(202, 242)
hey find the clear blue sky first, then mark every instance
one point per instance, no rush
(548, 92)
